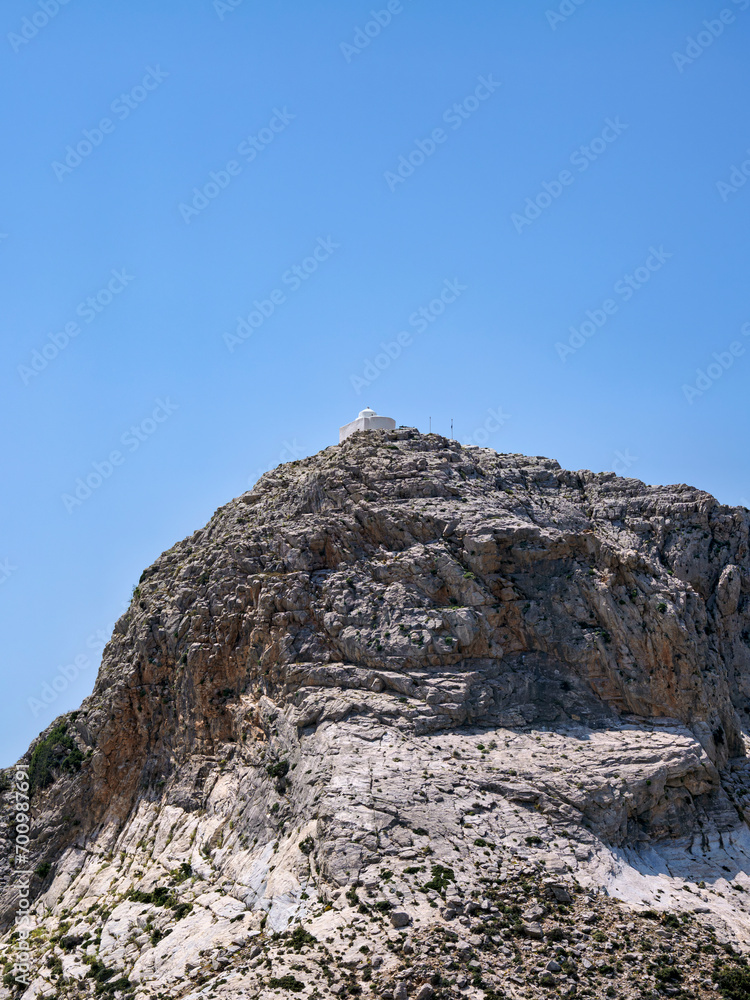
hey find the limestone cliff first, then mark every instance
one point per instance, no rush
(400, 650)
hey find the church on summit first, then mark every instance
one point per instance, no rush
(368, 420)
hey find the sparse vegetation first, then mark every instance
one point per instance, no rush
(56, 752)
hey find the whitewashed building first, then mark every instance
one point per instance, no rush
(368, 420)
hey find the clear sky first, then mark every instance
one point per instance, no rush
(214, 216)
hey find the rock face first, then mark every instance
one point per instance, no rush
(367, 695)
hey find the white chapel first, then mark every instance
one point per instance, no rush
(368, 420)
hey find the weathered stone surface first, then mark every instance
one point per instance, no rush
(559, 892)
(425, 992)
(404, 677)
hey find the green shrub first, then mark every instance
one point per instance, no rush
(300, 937)
(105, 978)
(56, 751)
(441, 878)
(667, 974)
(54, 964)
(70, 942)
(160, 896)
(287, 982)
(733, 983)
(114, 985)
(182, 873)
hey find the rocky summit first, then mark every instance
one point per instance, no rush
(408, 720)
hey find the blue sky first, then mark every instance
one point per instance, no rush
(558, 187)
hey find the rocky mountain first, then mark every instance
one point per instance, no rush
(410, 719)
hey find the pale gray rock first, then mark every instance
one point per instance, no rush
(560, 892)
(729, 589)
(533, 930)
